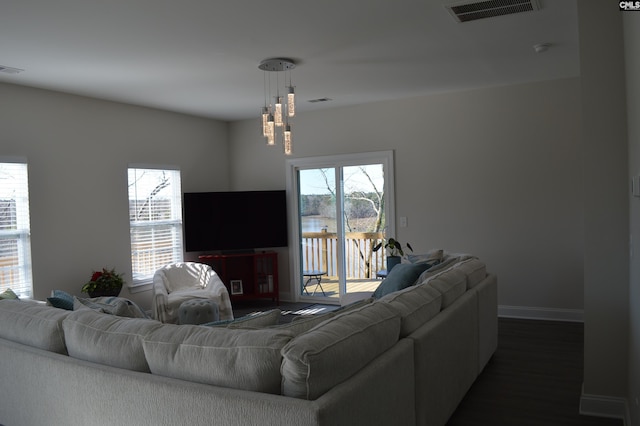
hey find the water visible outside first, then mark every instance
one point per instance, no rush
(316, 224)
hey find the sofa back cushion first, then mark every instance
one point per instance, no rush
(447, 263)
(415, 305)
(433, 257)
(33, 324)
(108, 339)
(451, 284)
(234, 358)
(474, 269)
(336, 349)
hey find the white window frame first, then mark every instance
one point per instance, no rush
(22, 284)
(142, 271)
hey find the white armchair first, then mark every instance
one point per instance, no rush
(179, 282)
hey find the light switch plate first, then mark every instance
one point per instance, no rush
(635, 186)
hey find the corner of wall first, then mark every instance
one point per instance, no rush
(604, 406)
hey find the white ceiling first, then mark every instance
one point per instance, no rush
(201, 57)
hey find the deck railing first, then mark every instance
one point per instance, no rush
(319, 252)
(9, 272)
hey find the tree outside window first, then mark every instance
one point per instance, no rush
(155, 217)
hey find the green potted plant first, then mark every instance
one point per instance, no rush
(394, 251)
(104, 283)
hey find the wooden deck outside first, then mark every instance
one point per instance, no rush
(330, 286)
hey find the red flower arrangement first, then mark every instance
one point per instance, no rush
(104, 282)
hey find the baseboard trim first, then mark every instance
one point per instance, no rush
(549, 314)
(605, 406)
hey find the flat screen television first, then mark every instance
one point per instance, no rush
(234, 221)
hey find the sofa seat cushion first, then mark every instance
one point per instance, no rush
(415, 305)
(304, 323)
(336, 349)
(451, 284)
(251, 321)
(233, 358)
(108, 339)
(401, 276)
(474, 269)
(33, 324)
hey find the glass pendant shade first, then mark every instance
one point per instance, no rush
(291, 102)
(278, 111)
(265, 118)
(288, 140)
(271, 131)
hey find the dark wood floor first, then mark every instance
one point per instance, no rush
(534, 378)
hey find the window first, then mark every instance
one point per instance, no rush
(15, 239)
(341, 207)
(155, 217)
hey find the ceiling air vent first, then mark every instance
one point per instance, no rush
(471, 11)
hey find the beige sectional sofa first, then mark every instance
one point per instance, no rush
(405, 358)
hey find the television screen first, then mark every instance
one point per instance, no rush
(240, 220)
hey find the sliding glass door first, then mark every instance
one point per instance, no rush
(342, 206)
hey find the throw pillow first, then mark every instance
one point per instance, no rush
(401, 276)
(433, 257)
(61, 299)
(8, 294)
(118, 306)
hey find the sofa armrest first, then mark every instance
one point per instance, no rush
(160, 299)
(487, 319)
(220, 294)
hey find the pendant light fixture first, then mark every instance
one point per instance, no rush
(276, 114)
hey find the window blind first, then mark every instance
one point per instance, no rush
(155, 217)
(15, 242)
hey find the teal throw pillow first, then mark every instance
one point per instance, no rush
(61, 299)
(401, 276)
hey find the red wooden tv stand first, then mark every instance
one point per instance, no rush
(247, 275)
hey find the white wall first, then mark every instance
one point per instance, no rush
(632, 56)
(78, 151)
(606, 203)
(495, 172)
